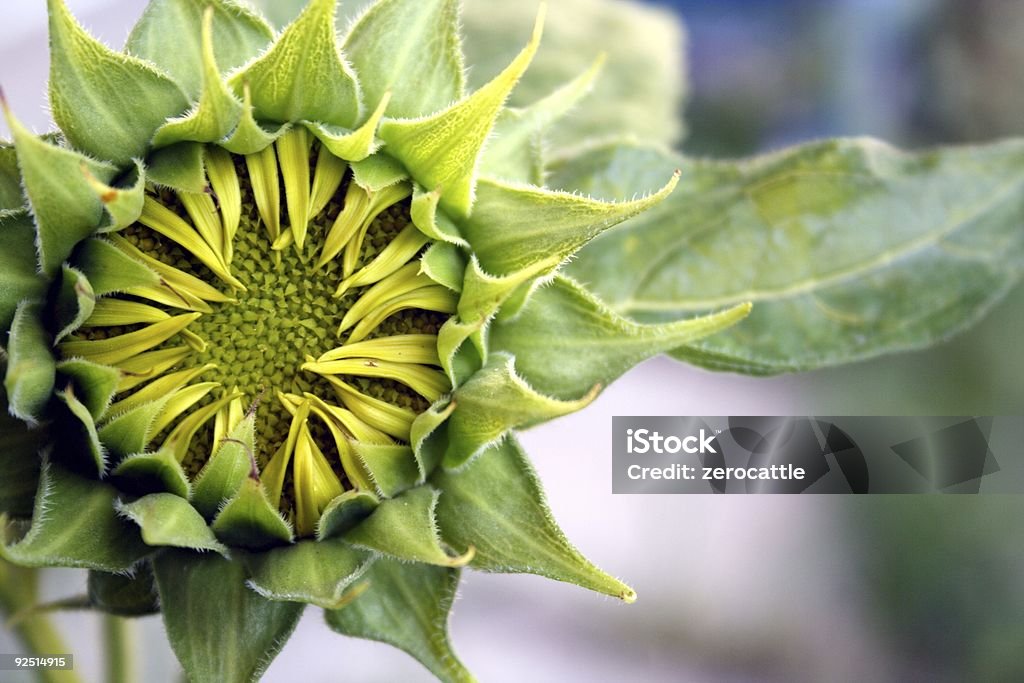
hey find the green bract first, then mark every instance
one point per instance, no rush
(277, 304)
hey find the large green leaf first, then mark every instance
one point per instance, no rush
(495, 504)
(406, 605)
(221, 631)
(169, 35)
(642, 88)
(848, 248)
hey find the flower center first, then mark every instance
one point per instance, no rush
(288, 289)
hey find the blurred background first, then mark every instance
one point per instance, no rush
(740, 588)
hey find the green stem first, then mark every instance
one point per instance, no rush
(117, 637)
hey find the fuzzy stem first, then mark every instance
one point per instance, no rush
(117, 641)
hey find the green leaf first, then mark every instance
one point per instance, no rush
(219, 629)
(179, 167)
(315, 572)
(124, 596)
(495, 401)
(106, 103)
(74, 303)
(31, 370)
(249, 520)
(169, 34)
(168, 520)
(565, 341)
(109, 269)
(441, 150)
(641, 90)
(412, 49)
(404, 528)
(848, 248)
(304, 76)
(19, 464)
(495, 504)
(65, 206)
(19, 280)
(75, 525)
(407, 606)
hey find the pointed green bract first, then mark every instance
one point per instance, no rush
(407, 606)
(19, 466)
(219, 628)
(75, 525)
(109, 269)
(31, 370)
(74, 302)
(80, 445)
(229, 466)
(304, 76)
(495, 504)
(106, 103)
(65, 207)
(404, 528)
(19, 280)
(169, 34)
(10, 179)
(565, 341)
(392, 468)
(318, 573)
(495, 401)
(144, 473)
(441, 150)
(249, 520)
(345, 512)
(179, 167)
(167, 520)
(412, 49)
(94, 384)
(537, 224)
(123, 204)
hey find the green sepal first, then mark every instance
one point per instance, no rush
(65, 207)
(19, 466)
(303, 76)
(122, 203)
(128, 433)
(169, 34)
(31, 369)
(219, 629)
(442, 150)
(345, 512)
(19, 280)
(445, 264)
(392, 468)
(496, 505)
(407, 606)
(78, 442)
(179, 167)
(404, 528)
(145, 473)
(412, 49)
(566, 341)
(74, 302)
(107, 104)
(229, 466)
(378, 172)
(11, 196)
(74, 525)
(495, 401)
(94, 384)
(109, 269)
(249, 520)
(516, 151)
(168, 520)
(538, 224)
(217, 111)
(124, 596)
(315, 572)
